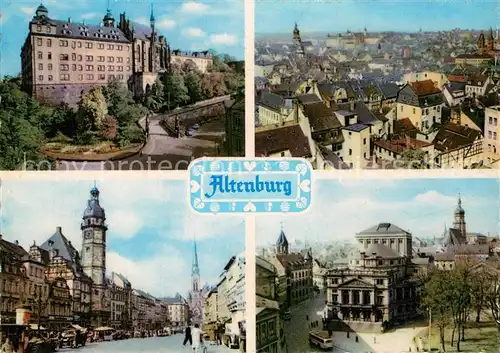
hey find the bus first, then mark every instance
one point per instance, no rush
(320, 339)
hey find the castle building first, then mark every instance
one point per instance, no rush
(196, 296)
(61, 58)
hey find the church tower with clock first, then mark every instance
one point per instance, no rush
(93, 255)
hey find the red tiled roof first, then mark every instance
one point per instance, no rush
(424, 88)
(281, 139)
(400, 145)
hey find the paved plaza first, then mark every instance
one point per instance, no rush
(170, 344)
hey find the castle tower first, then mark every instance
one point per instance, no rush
(41, 11)
(490, 46)
(459, 221)
(108, 20)
(94, 229)
(297, 41)
(282, 243)
(152, 46)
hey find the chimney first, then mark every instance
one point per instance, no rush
(83, 22)
(58, 229)
(69, 19)
(17, 242)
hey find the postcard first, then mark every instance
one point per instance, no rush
(120, 85)
(382, 265)
(112, 265)
(378, 84)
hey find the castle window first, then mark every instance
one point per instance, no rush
(39, 42)
(111, 59)
(80, 77)
(49, 42)
(90, 77)
(101, 77)
(64, 57)
(50, 78)
(100, 58)
(40, 55)
(73, 57)
(73, 67)
(64, 77)
(119, 59)
(88, 45)
(49, 56)
(40, 78)
(40, 66)
(111, 68)
(39, 28)
(89, 58)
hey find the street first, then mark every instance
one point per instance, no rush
(297, 329)
(169, 344)
(297, 334)
(161, 152)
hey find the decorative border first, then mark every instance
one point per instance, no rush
(300, 171)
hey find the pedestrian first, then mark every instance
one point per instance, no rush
(7, 346)
(196, 338)
(187, 336)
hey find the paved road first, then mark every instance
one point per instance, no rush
(162, 152)
(297, 329)
(170, 344)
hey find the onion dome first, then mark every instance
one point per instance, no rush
(94, 210)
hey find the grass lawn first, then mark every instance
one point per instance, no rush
(480, 337)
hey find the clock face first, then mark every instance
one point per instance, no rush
(87, 234)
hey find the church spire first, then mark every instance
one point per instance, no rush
(196, 268)
(152, 19)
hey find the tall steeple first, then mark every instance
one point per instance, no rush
(108, 20)
(282, 243)
(195, 271)
(459, 219)
(297, 41)
(152, 19)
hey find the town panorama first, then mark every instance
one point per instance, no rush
(379, 100)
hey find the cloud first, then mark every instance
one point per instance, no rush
(89, 15)
(150, 227)
(223, 39)
(435, 197)
(156, 273)
(125, 224)
(165, 23)
(142, 21)
(28, 10)
(194, 7)
(194, 32)
(339, 213)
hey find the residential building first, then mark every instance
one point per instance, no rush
(203, 60)
(210, 317)
(121, 301)
(458, 146)
(492, 133)
(478, 85)
(269, 329)
(178, 311)
(294, 272)
(422, 103)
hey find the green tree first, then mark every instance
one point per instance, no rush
(175, 91)
(412, 158)
(436, 299)
(193, 85)
(213, 84)
(92, 110)
(155, 99)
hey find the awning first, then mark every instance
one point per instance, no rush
(78, 327)
(104, 328)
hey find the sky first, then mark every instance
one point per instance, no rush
(340, 209)
(375, 15)
(187, 25)
(151, 228)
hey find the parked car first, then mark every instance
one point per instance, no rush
(195, 126)
(190, 132)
